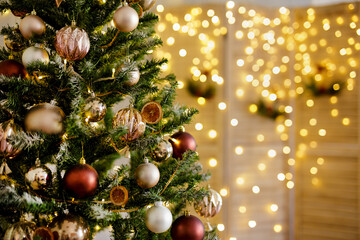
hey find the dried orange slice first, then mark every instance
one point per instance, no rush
(119, 195)
(43, 233)
(152, 112)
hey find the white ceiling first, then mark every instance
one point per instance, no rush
(268, 3)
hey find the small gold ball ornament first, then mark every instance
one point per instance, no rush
(94, 109)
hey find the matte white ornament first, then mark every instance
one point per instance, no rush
(158, 218)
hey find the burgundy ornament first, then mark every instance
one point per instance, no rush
(81, 180)
(187, 227)
(181, 142)
(72, 43)
(19, 13)
(12, 68)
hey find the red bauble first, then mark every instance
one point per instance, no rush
(181, 142)
(81, 181)
(187, 228)
(12, 68)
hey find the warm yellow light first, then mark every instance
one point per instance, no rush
(222, 106)
(240, 62)
(291, 162)
(242, 10)
(253, 108)
(310, 103)
(187, 17)
(261, 166)
(303, 132)
(230, 4)
(170, 41)
(180, 84)
(182, 52)
(239, 150)
(336, 87)
(242, 209)
(288, 123)
(252, 223)
(334, 112)
(271, 153)
(234, 122)
(256, 189)
(260, 137)
(212, 134)
(286, 149)
(346, 121)
(201, 100)
(281, 177)
(221, 227)
(320, 161)
(283, 10)
(199, 126)
(249, 50)
(215, 20)
(313, 170)
(322, 132)
(274, 207)
(161, 27)
(284, 137)
(252, 13)
(97, 228)
(290, 184)
(240, 180)
(239, 34)
(212, 162)
(160, 8)
(315, 181)
(280, 128)
(240, 92)
(210, 13)
(176, 27)
(224, 192)
(277, 228)
(205, 24)
(288, 176)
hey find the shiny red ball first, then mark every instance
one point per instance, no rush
(181, 142)
(81, 181)
(187, 228)
(12, 68)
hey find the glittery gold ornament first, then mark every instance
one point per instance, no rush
(94, 109)
(210, 205)
(7, 130)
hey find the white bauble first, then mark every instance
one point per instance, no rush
(35, 54)
(158, 218)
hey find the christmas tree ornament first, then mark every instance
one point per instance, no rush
(66, 227)
(152, 112)
(187, 227)
(94, 109)
(133, 77)
(46, 118)
(131, 119)
(210, 205)
(31, 26)
(20, 231)
(12, 68)
(126, 19)
(147, 4)
(158, 218)
(12, 45)
(81, 180)
(35, 54)
(38, 177)
(72, 43)
(19, 13)
(182, 142)
(163, 151)
(4, 169)
(119, 196)
(58, 2)
(147, 175)
(8, 130)
(43, 233)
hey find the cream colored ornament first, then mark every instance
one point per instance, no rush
(158, 218)
(147, 175)
(131, 119)
(32, 25)
(46, 118)
(35, 54)
(126, 19)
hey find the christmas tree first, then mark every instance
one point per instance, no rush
(79, 90)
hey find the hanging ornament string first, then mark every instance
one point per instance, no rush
(112, 41)
(171, 178)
